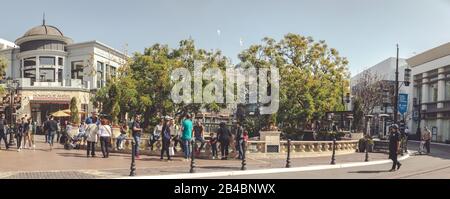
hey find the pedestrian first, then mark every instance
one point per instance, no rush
(427, 139)
(105, 133)
(198, 134)
(3, 131)
(20, 131)
(60, 130)
(45, 128)
(394, 147)
(186, 136)
(122, 136)
(213, 143)
(81, 132)
(136, 133)
(52, 129)
(239, 140)
(177, 136)
(406, 135)
(224, 136)
(91, 135)
(156, 133)
(166, 137)
(27, 133)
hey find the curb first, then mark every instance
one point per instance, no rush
(266, 171)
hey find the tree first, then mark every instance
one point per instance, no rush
(368, 90)
(144, 83)
(3, 65)
(358, 115)
(311, 76)
(74, 117)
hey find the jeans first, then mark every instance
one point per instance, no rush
(240, 147)
(177, 140)
(154, 139)
(3, 136)
(165, 148)
(214, 150)
(51, 136)
(202, 141)
(187, 148)
(19, 140)
(119, 140)
(427, 145)
(137, 140)
(104, 143)
(90, 148)
(224, 148)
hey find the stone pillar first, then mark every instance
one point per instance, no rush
(425, 96)
(441, 88)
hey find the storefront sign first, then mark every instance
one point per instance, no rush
(50, 97)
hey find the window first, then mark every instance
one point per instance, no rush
(47, 74)
(29, 62)
(47, 61)
(77, 69)
(60, 61)
(433, 92)
(99, 74)
(30, 73)
(60, 75)
(447, 90)
(108, 71)
(113, 71)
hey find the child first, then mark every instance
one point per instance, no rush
(213, 142)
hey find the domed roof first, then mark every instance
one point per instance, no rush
(44, 30)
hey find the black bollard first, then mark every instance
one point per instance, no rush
(244, 161)
(133, 156)
(192, 158)
(334, 152)
(288, 160)
(367, 151)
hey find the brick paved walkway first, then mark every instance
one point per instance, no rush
(73, 164)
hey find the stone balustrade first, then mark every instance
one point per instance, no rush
(254, 148)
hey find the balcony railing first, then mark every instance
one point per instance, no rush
(72, 83)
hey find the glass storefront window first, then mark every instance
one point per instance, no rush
(47, 61)
(47, 74)
(60, 75)
(60, 61)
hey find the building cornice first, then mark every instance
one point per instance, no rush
(44, 37)
(429, 55)
(98, 44)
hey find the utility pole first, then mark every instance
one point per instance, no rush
(396, 90)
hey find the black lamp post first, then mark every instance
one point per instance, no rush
(406, 81)
(12, 86)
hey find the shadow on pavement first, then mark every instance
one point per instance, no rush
(369, 172)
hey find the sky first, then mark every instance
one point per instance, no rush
(364, 31)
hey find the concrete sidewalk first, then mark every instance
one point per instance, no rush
(73, 164)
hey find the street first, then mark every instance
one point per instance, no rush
(435, 165)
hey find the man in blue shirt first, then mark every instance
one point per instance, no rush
(186, 136)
